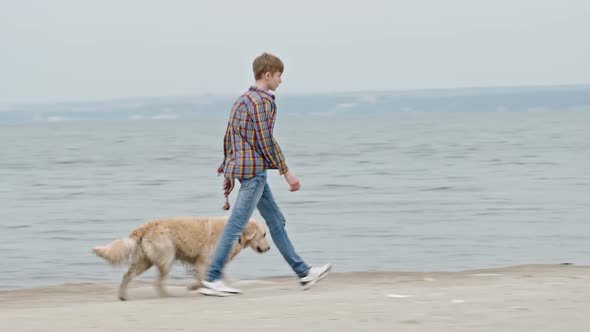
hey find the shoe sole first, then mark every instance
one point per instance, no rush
(211, 292)
(227, 290)
(312, 283)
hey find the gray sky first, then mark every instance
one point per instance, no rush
(59, 50)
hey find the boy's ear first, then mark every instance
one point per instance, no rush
(267, 75)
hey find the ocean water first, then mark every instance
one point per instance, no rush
(402, 191)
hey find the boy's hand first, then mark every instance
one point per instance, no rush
(228, 186)
(293, 181)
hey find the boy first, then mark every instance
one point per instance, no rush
(249, 150)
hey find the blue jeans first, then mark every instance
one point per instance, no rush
(255, 192)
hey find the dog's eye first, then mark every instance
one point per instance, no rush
(264, 235)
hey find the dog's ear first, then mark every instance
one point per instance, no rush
(250, 230)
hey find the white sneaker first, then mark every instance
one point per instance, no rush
(314, 275)
(217, 288)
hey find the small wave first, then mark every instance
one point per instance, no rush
(455, 156)
(304, 202)
(61, 230)
(74, 194)
(347, 186)
(11, 165)
(437, 188)
(17, 226)
(74, 161)
(165, 158)
(154, 183)
(382, 173)
(65, 238)
(343, 175)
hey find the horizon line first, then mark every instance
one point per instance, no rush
(306, 93)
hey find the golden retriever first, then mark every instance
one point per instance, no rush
(191, 241)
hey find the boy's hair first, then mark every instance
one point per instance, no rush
(266, 63)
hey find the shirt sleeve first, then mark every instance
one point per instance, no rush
(226, 148)
(263, 127)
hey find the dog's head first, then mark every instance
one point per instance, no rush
(254, 236)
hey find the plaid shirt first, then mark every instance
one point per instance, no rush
(249, 146)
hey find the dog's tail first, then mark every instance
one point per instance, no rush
(118, 251)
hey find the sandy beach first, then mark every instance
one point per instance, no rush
(517, 298)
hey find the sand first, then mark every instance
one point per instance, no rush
(518, 298)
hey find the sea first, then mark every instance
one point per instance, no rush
(403, 191)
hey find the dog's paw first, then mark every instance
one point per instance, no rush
(194, 285)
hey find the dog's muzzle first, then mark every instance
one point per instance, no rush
(260, 250)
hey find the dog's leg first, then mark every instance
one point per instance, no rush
(136, 269)
(164, 265)
(200, 269)
(164, 270)
(161, 252)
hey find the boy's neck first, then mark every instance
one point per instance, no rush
(261, 85)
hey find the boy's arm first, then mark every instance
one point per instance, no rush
(269, 146)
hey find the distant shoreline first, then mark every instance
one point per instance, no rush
(412, 91)
(492, 99)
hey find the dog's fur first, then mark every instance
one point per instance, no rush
(192, 241)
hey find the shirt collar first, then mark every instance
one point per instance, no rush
(263, 92)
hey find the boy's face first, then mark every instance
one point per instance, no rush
(273, 80)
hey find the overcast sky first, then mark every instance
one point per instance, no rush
(58, 50)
